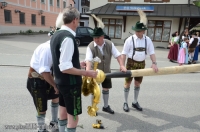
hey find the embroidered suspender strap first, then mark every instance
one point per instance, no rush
(133, 47)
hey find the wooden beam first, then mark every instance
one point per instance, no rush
(180, 24)
(124, 22)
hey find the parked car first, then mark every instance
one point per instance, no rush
(83, 36)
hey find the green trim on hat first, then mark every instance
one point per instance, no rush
(97, 32)
(139, 27)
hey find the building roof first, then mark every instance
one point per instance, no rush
(160, 10)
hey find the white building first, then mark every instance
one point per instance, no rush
(164, 17)
(83, 6)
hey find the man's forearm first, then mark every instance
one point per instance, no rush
(88, 65)
(75, 71)
(153, 58)
(48, 77)
(120, 61)
(123, 56)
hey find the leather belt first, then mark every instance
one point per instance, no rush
(33, 74)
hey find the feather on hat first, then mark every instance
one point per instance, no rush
(98, 31)
(142, 24)
(59, 21)
(143, 18)
(100, 24)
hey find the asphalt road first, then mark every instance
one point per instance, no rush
(171, 103)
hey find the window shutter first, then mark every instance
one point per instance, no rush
(166, 0)
(147, 0)
(127, 0)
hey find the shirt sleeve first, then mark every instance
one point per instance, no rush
(88, 55)
(191, 40)
(115, 52)
(67, 51)
(126, 47)
(45, 61)
(150, 47)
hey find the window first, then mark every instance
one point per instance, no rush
(42, 20)
(58, 3)
(22, 18)
(51, 2)
(113, 28)
(42, 1)
(90, 30)
(7, 16)
(83, 10)
(33, 19)
(82, 31)
(64, 4)
(159, 30)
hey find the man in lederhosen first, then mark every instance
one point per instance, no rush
(67, 70)
(192, 45)
(40, 82)
(136, 48)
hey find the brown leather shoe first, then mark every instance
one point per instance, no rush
(137, 106)
(108, 109)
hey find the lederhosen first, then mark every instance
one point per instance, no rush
(193, 45)
(133, 65)
(40, 90)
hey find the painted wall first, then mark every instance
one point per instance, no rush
(131, 22)
(31, 7)
(98, 3)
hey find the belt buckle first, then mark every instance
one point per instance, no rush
(35, 74)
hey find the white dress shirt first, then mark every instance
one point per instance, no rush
(89, 55)
(192, 39)
(41, 60)
(66, 50)
(139, 55)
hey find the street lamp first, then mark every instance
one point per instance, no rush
(3, 4)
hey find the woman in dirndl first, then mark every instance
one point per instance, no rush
(183, 53)
(173, 52)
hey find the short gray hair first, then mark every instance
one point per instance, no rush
(69, 14)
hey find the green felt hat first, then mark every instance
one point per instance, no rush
(98, 32)
(139, 27)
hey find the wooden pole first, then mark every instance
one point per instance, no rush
(166, 70)
(150, 71)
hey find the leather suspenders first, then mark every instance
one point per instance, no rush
(139, 48)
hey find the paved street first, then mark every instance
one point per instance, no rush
(171, 103)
